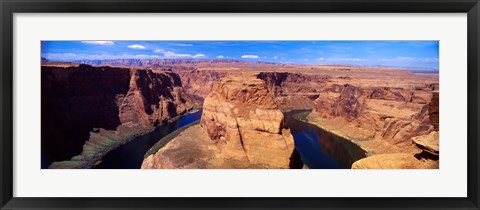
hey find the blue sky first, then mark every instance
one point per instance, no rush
(418, 54)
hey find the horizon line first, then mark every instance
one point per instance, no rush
(247, 61)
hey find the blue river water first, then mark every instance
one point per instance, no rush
(317, 148)
(130, 155)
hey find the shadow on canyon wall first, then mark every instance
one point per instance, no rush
(74, 101)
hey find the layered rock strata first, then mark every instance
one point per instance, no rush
(294, 91)
(291, 91)
(242, 127)
(382, 119)
(87, 111)
(384, 111)
(199, 83)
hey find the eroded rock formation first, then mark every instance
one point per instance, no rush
(200, 83)
(381, 110)
(394, 161)
(294, 91)
(393, 115)
(244, 123)
(87, 111)
(240, 112)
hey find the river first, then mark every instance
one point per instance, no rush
(317, 148)
(130, 155)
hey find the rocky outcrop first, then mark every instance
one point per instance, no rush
(380, 112)
(428, 143)
(433, 110)
(399, 119)
(87, 111)
(391, 161)
(349, 105)
(153, 98)
(294, 91)
(393, 115)
(241, 113)
(291, 91)
(199, 83)
(244, 128)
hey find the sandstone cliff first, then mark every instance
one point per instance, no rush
(394, 119)
(294, 91)
(291, 91)
(394, 115)
(242, 127)
(199, 83)
(87, 111)
(382, 111)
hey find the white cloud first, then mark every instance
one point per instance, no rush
(159, 51)
(99, 42)
(75, 56)
(220, 57)
(306, 59)
(170, 54)
(410, 59)
(321, 59)
(137, 47)
(183, 45)
(250, 56)
(199, 56)
(275, 57)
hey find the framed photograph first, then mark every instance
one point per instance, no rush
(239, 104)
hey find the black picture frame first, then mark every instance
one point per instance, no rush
(10, 7)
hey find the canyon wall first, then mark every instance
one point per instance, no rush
(241, 127)
(398, 121)
(392, 114)
(382, 111)
(199, 83)
(291, 91)
(87, 111)
(294, 91)
(240, 112)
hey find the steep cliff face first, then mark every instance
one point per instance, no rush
(241, 113)
(293, 91)
(241, 127)
(89, 110)
(383, 120)
(199, 83)
(153, 98)
(349, 104)
(391, 114)
(433, 110)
